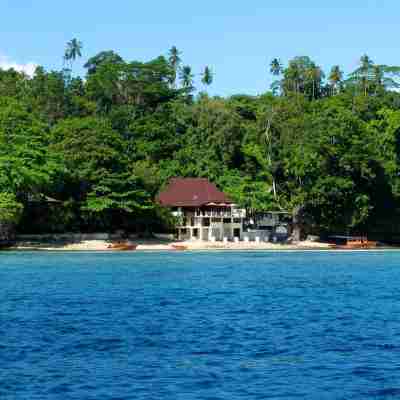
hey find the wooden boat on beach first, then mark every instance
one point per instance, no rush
(353, 243)
(179, 247)
(122, 246)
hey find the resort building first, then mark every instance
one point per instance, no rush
(203, 211)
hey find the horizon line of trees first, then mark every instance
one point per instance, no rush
(302, 75)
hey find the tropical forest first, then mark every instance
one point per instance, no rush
(90, 153)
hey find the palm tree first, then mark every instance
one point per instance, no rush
(365, 71)
(363, 75)
(293, 77)
(365, 63)
(275, 67)
(335, 78)
(174, 60)
(186, 77)
(314, 74)
(207, 76)
(72, 51)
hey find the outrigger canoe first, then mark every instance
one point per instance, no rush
(354, 243)
(122, 246)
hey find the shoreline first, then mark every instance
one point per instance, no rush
(163, 245)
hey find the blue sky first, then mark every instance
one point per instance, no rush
(236, 38)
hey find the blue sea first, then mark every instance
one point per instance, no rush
(209, 326)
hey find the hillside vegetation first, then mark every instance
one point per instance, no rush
(323, 146)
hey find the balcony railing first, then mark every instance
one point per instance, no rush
(214, 214)
(221, 214)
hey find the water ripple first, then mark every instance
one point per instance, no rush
(214, 326)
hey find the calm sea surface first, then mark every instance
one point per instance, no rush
(299, 325)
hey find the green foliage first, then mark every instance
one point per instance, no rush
(25, 162)
(326, 149)
(247, 193)
(10, 208)
(207, 76)
(187, 77)
(118, 192)
(302, 76)
(88, 147)
(104, 57)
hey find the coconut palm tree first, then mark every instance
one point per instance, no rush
(275, 67)
(366, 63)
(363, 75)
(186, 77)
(207, 76)
(335, 78)
(314, 75)
(366, 70)
(72, 51)
(175, 61)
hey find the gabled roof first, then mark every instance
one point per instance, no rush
(191, 192)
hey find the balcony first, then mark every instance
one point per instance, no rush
(214, 214)
(236, 213)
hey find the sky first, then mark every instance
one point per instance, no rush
(237, 39)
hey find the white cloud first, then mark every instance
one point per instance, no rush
(29, 68)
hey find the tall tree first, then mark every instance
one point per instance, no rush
(315, 75)
(73, 51)
(175, 61)
(335, 79)
(186, 77)
(275, 67)
(363, 75)
(104, 57)
(207, 76)
(292, 77)
(302, 76)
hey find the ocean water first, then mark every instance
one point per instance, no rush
(210, 326)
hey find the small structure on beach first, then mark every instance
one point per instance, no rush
(202, 210)
(270, 225)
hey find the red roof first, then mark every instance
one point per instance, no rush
(191, 192)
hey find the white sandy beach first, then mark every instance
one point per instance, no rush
(156, 245)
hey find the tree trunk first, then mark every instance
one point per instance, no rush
(274, 188)
(297, 233)
(268, 140)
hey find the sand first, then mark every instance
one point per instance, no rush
(157, 245)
